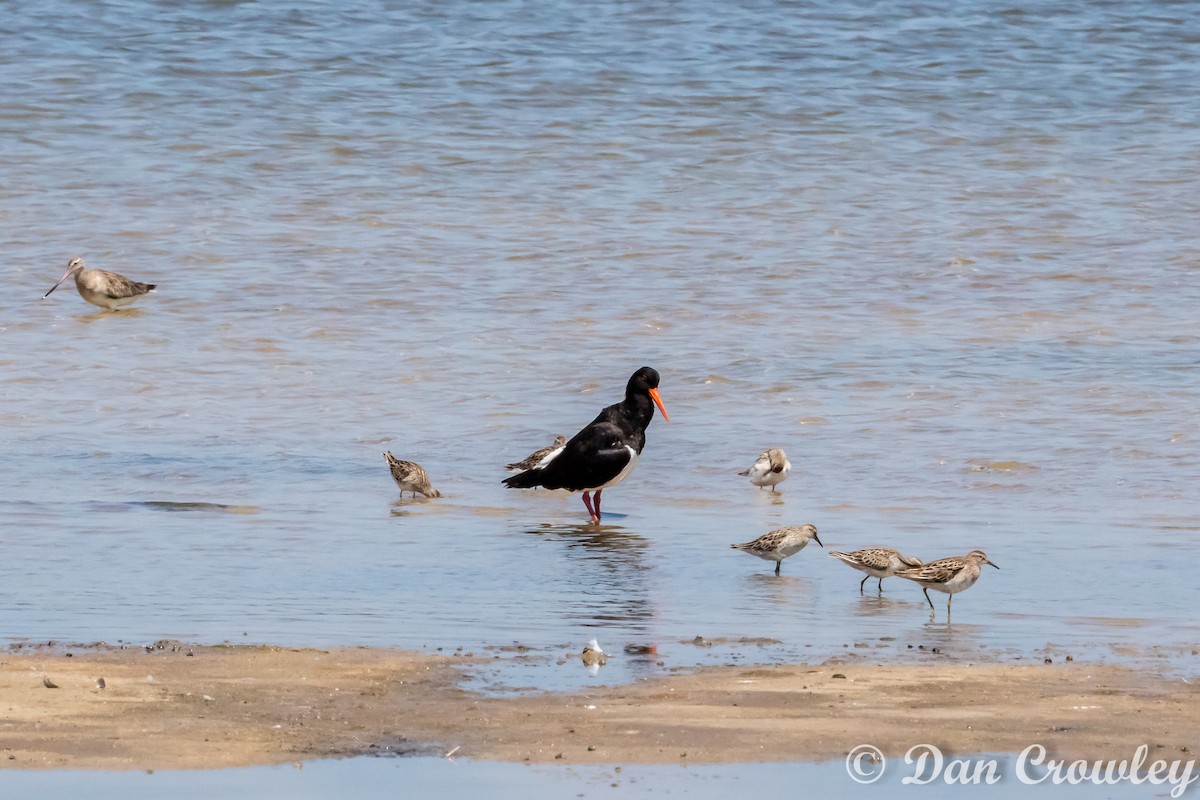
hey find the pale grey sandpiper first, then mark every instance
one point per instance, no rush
(593, 657)
(101, 287)
(410, 477)
(771, 468)
(950, 575)
(778, 544)
(877, 562)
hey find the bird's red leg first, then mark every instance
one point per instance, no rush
(587, 501)
(596, 500)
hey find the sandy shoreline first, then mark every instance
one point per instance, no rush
(241, 706)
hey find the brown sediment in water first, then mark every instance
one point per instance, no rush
(242, 706)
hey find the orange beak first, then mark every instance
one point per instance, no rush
(658, 402)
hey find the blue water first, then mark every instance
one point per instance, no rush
(944, 254)
(421, 777)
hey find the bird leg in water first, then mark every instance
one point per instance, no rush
(596, 500)
(587, 501)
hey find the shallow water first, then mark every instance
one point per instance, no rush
(947, 260)
(374, 777)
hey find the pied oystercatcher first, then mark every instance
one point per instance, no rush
(606, 451)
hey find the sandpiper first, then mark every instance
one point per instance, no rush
(410, 477)
(771, 469)
(592, 655)
(538, 458)
(101, 287)
(877, 562)
(781, 543)
(950, 575)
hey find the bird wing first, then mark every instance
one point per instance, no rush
(407, 470)
(875, 558)
(766, 543)
(117, 286)
(939, 571)
(872, 557)
(759, 468)
(596, 455)
(531, 460)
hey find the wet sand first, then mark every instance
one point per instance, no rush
(193, 707)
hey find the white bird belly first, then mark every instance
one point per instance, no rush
(761, 475)
(774, 478)
(965, 579)
(103, 300)
(624, 473)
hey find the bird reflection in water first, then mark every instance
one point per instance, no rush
(778, 589)
(609, 579)
(880, 605)
(946, 637)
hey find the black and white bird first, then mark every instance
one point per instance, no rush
(606, 451)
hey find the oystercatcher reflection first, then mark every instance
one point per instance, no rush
(606, 451)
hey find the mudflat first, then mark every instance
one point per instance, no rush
(198, 707)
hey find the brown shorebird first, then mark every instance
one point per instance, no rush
(779, 544)
(536, 458)
(950, 575)
(771, 469)
(592, 655)
(101, 287)
(410, 477)
(877, 562)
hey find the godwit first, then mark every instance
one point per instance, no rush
(101, 287)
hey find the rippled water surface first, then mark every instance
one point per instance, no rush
(946, 255)
(379, 778)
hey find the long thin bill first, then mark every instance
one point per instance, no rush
(658, 402)
(55, 286)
